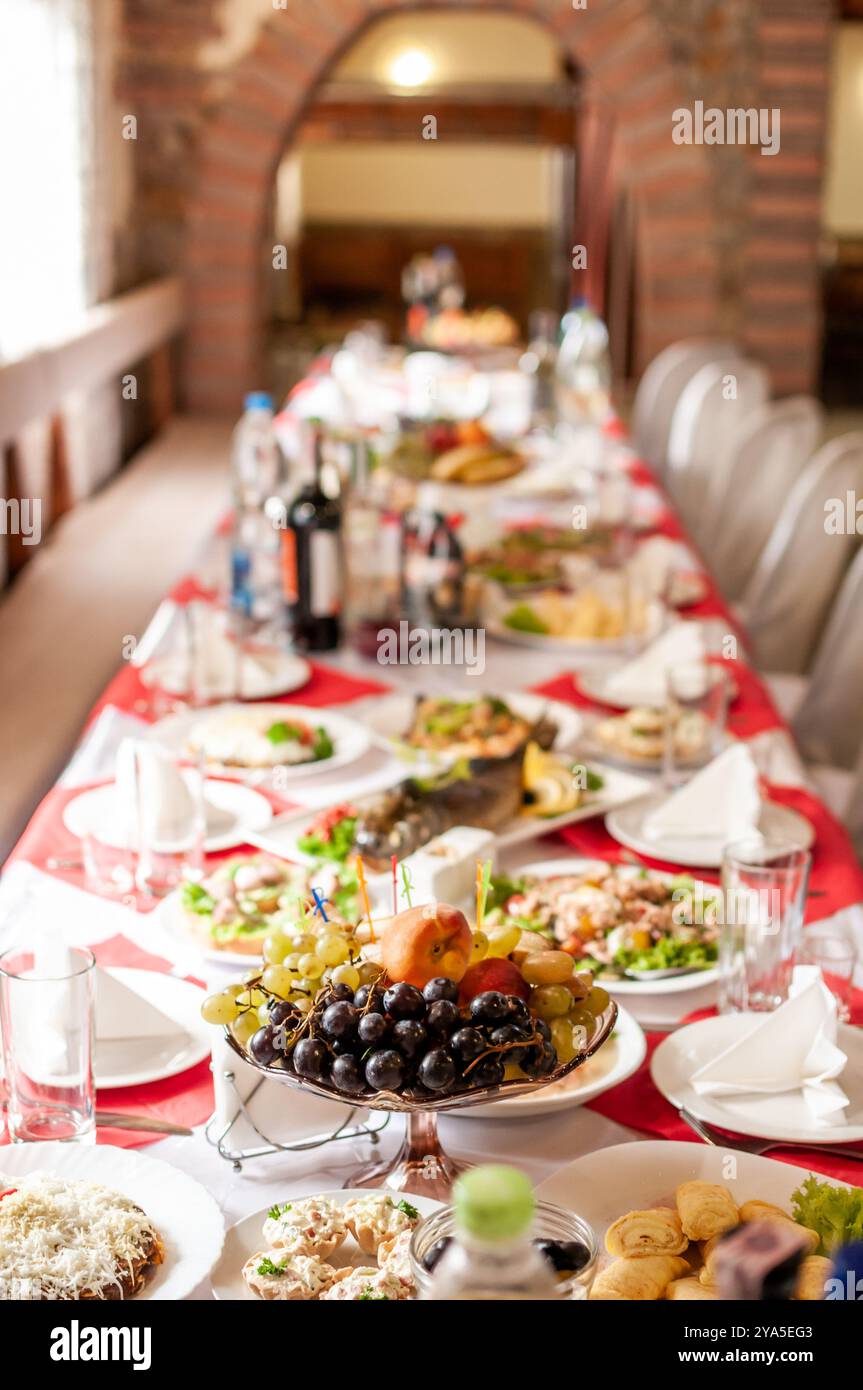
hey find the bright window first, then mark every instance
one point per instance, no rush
(44, 117)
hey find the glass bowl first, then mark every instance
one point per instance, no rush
(550, 1222)
(421, 1166)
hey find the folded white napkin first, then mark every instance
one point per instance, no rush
(722, 803)
(793, 1049)
(654, 562)
(157, 791)
(643, 680)
(123, 1013)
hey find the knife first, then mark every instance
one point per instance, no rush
(106, 1119)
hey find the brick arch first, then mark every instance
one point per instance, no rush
(621, 49)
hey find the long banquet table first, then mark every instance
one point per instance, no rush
(41, 878)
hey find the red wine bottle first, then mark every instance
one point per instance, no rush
(311, 556)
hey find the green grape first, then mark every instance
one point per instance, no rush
(502, 940)
(276, 947)
(263, 1014)
(479, 947)
(250, 976)
(293, 961)
(243, 1027)
(581, 1017)
(369, 971)
(311, 966)
(598, 1000)
(302, 1001)
(219, 1008)
(550, 1001)
(347, 975)
(309, 986)
(561, 1036)
(303, 942)
(235, 990)
(278, 980)
(333, 950)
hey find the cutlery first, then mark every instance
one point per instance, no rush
(106, 1119)
(57, 863)
(721, 1138)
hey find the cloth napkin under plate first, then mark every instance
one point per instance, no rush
(793, 1049)
(643, 681)
(722, 803)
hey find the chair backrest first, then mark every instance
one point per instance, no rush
(750, 482)
(854, 826)
(801, 565)
(711, 409)
(828, 723)
(659, 391)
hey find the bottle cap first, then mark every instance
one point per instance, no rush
(494, 1202)
(258, 400)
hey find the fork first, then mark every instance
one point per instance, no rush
(722, 1139)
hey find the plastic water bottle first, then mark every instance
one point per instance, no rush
(491, 1256)
(256, 484)
(583, 367)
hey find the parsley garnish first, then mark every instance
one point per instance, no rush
(267, 1267)
(408, 1210)
(284, 733)
(368, 1297)
(275, 1212)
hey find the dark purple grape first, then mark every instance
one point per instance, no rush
(385, 1070)
(540, 1026)
(311, 1059)
(443, 1016)
(342, 993)
(489, 1007)
(517, 1011)
(488, 1072)
(434, 1252)
(344, 1047)
(373, 991)
(468, 1044)
(372, 1029)
(261, 1046)
(340, 1021)
(347, 1076)
(281, 1012)
(564, 1256)
(441, 988)
(509, 1033)
(404, 1001)
(409, 1036)
(437, 1070)
(540, 1060)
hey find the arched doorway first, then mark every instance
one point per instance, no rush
(629, 80)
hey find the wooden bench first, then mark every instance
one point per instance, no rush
(114, 537)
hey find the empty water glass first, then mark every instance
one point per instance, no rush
(835, 954)
(696, 713)
(764, 885)
(47, 998)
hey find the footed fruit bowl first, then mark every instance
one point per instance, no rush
(421, 1166)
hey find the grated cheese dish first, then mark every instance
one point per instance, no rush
(62, 1240)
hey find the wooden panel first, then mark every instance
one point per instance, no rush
(520, 122)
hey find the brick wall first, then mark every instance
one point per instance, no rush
(726, 239)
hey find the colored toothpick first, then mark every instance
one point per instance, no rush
(364, 892)
(394, 865)
(407, 885)
(318, 895)
(483, 883)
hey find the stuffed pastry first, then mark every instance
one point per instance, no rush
(762, 1211)
(644, 1279)
(706, 1209)
(689, 1290)
(812, 1278)
(654, 1232)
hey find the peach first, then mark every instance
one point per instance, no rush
(426, 942)
(495, 972)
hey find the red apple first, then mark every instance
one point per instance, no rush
(495, 972)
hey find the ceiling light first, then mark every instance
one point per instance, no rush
(411, 68)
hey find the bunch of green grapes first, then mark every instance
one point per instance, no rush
(298, 960)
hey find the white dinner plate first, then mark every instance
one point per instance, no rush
(273, 673)
(617, 1059)
(389, 718)
(626, 824)
(493, 619)
(784, 1116)
(246, 1239)
(136, 1061)
(592, 683)
(607, 1184)
(234, 810)
(350, 738)
(182, 1211)
(281, 837)
(674, 984)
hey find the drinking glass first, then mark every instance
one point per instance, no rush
(764, 884)
(835, 954)
(696, 712)
(47, 1001)
(170, 818)
(108, 868)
